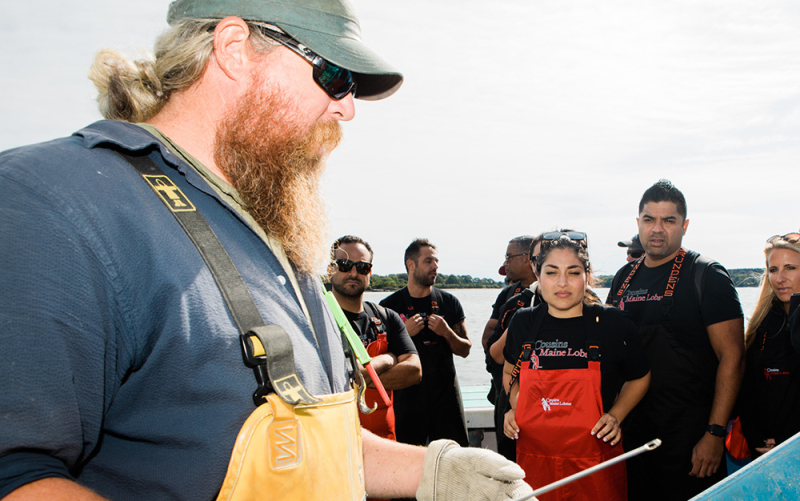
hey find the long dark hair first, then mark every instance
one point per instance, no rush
(581, 251)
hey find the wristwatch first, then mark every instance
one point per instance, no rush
(716, 430)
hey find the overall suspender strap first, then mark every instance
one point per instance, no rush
(377, 321)
(528, 348)
(524, 356)
(436, 301)
(669, 290)
(627, 282)
(591, 316)
(266, 348)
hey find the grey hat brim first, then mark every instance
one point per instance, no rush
(330, 29)
(376, 78)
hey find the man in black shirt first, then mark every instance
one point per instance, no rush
(519, 272)
(691, 321)
(508, 302)
(435, 321)
(394, 356)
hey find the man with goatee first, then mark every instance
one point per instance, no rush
(164, 332)
(381, 330)
(434, 319)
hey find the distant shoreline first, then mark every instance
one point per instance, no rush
(742, 277)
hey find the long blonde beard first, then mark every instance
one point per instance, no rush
(276, 167)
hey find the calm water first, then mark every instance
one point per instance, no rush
(477, 305)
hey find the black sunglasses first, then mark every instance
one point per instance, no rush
(791, 238)
(636, 254)
(336, 81)
(575, 236)
(345, 265)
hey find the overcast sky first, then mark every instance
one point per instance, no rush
(516, 116)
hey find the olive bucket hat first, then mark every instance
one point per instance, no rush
(327, 27)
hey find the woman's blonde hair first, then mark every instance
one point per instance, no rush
(135, 91)
(767, 295)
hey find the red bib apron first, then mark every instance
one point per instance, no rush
(556, 410)
(380, 422)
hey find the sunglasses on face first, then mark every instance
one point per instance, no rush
(636, 254)
(575, 236)
(792, 238)
(336, 81)
(345, 265)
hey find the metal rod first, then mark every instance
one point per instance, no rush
(649, 446)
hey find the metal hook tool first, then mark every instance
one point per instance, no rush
(649, 446)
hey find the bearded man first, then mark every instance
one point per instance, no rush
(380, 330)
(131, 250)
(434, 319)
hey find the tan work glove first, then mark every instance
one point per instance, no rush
(453, 473)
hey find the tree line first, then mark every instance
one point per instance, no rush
(400, 280)
(742, 277)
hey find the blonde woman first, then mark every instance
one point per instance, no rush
(770, 395)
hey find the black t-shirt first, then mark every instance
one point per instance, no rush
(505, 295)
(794, 321)
(434, 351)
(522, 300)
(560, 343)
(688, 320)
(505, 312)
(770, 394)
(399, 341)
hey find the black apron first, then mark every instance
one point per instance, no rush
(432, 409)
(676, 407)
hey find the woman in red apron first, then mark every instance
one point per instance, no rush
(575, 369)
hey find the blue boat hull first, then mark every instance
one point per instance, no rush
(772, 477)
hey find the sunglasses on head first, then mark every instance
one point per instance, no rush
(792, 238)
(336, 81)
(345, 265)
(575, 236)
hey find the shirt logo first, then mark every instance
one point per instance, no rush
(170, 194)
(768, 373)
(549, 403)
(640, 296)
(558, 349)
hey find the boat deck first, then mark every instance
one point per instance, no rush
(479, 413)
